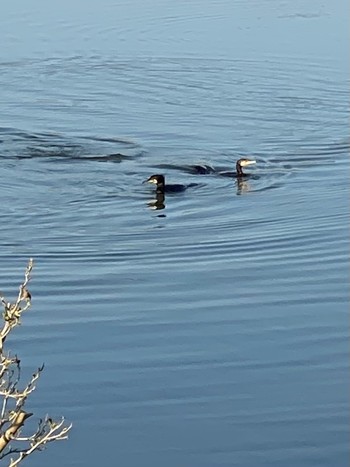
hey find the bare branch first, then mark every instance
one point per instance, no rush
(13, 311)
(50, 431)
(17, 422)
(12, 414)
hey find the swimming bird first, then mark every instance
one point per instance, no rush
(239, 164)
(159, 180)
(207, 169)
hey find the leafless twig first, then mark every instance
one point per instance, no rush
(12, 414)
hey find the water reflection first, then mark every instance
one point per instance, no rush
(158, 203)
(243, 186)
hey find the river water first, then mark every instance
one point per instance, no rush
(209, 328)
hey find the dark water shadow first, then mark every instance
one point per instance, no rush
(18, 144)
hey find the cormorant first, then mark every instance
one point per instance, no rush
(207, 169)
(243, 163)
(159, 180)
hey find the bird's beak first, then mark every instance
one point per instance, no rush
(249, 162)
(151, 180)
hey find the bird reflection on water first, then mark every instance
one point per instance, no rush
(243, 186)
(158, 203)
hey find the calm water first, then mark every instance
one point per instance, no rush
(212, 332)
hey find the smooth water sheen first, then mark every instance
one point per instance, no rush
(212, 332)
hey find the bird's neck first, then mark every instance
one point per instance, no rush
(160, 187)
(239, 169)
